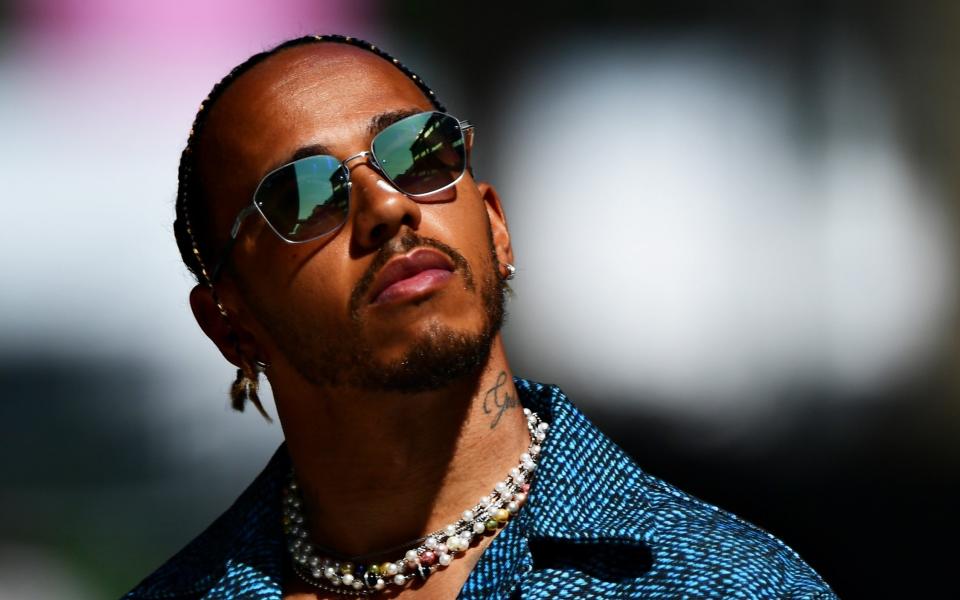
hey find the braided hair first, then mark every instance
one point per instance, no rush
(191, 226)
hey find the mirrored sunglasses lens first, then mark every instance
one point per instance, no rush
(422, 153)
(305, 199)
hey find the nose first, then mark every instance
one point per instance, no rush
(380, 209)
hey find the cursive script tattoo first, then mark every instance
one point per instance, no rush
(500, 397)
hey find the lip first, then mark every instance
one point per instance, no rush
(411, 275)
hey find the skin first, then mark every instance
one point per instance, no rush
(376, 468)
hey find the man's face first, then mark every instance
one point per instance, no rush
(317, 304)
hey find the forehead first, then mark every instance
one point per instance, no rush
(323, 93)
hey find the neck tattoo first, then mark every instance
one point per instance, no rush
(498, 396)
(424, 556)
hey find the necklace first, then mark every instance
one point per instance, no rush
(428, 554)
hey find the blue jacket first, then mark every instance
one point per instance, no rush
(594, 526)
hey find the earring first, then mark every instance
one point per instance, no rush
(511, 271)
(246, 388)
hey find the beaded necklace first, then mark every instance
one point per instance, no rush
(429, 554)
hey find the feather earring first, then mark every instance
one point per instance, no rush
(246, 389)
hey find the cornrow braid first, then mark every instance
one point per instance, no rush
(192, 215)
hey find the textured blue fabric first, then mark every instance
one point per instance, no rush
(594, 526)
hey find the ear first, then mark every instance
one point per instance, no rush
(498, 225)
(235, 343)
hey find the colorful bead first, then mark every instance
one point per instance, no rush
(491, 524)
(427, 558)
(501, 515)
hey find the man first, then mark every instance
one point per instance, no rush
(343, 247)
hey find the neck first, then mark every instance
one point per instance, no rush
(380, 469)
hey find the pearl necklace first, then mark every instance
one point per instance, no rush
(431, 553)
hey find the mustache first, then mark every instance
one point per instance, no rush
(401, 245)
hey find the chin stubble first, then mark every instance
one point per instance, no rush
(437, 358)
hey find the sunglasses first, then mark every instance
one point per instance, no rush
(309, 198)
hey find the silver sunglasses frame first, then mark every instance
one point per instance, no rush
(466, 132)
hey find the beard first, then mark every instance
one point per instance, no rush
(436, 358)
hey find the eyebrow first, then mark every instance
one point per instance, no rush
(376, 124)
(384, 120)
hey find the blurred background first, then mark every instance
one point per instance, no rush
(736, 231)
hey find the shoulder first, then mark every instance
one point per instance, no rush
(646, 538)
(239, 549)
(698, 547)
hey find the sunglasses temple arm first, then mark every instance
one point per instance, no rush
(240, 219)
(233, 240)
(467, 128)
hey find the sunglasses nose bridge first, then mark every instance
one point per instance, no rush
(371, 162)
(365, 154)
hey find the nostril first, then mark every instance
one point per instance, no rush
(408, 220)
(377, 231)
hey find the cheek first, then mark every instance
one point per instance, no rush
(304, 279)
(462, 224)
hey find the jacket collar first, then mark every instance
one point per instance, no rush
(585, 489)
(583, 513)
